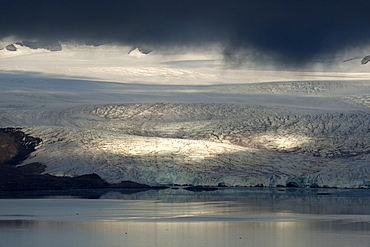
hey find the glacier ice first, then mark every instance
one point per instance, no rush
(160, 123)
(208, 144)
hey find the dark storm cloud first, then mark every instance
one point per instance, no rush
(293, 31)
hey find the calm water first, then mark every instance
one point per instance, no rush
(228, 217)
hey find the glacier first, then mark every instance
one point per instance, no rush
(156, 120)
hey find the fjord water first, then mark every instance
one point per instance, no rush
(226, 217)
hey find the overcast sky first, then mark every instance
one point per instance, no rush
(294, 31)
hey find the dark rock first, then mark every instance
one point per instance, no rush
(159, 187)
(221, 185)
(145, 50)
(128, 184)
(141, 50)
(292, 185)
(314, 185)
(11, 47)
(200, 188)
(15, 145)
(365, 60)
(88, 181)
(28, 177)
(32, 169)
(295, 182)
(16, 178)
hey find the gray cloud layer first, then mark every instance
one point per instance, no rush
(294, 31)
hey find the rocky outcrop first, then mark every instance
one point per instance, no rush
(139, 50)
(11, 47)
(15, 145)
(29, 177)
(365, 60)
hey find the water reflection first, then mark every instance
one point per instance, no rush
(218, 233)
(305, 201)
(229, 217)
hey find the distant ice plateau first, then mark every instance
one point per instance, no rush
(160, 121)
